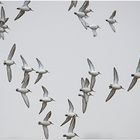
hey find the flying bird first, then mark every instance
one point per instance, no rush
(40, 70)
(45, 123)
(111, 21)
(94, 29)
(23, 90)
(72, 4)
(71, 113)
(9, 62)
(26, 68)
(25, 8)
(115, 86)
(45, 99)
(70, 133)
(135, 76)
(93, 73)
(86, 93)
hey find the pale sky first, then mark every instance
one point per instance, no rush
(58, 39)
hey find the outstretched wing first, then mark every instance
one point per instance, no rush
(39, 64)
(84, 6)
(138, 67)
(9, 73)
(84, 104)
(46, 132)
(66, 120)
(112, 92)
(26, 81)
(112, 27)
(25, 98)
(23, 61)
(12, 51)
(44, 104)
(45, 94)
(38, 77)
(48, 116)
(113, 14)
(91, 66)
(72, 125)
(134, 80)
(116, 78)
(20, 14)
(26, 3)
(84, 23)
(71, 108)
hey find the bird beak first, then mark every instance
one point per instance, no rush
(32, 10)
(53, 100)
(123, 88)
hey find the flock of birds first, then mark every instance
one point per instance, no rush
(87, 85)
(83, 12)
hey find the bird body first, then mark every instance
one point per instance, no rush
(23, 9)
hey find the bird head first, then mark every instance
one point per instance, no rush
(132, 75)
(17, 89)
(29, 90)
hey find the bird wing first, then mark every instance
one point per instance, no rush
(26, 3)
(48, 116)
(71, 5)
(84, 104)
(24, 78)
(116, 78)
(12, 51)
(44, 104)
(9, 73)
(66, 120)
(112, 92)
(25, 98)
(134, 80)
(112, 27)
(26, 81)
(45, 94)
(71, 108)
(23, 61)
(21, 12)
(38, 78)
(113, 14)
(2, 14)
(40, 66)
(82, 82)
(84, 6)
(46, 132)
(138, 67)
(84, 23)
(86, 82)
(91, 66)
(92, 83)
(72, 125)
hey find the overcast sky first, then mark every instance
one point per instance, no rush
(58, 39)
